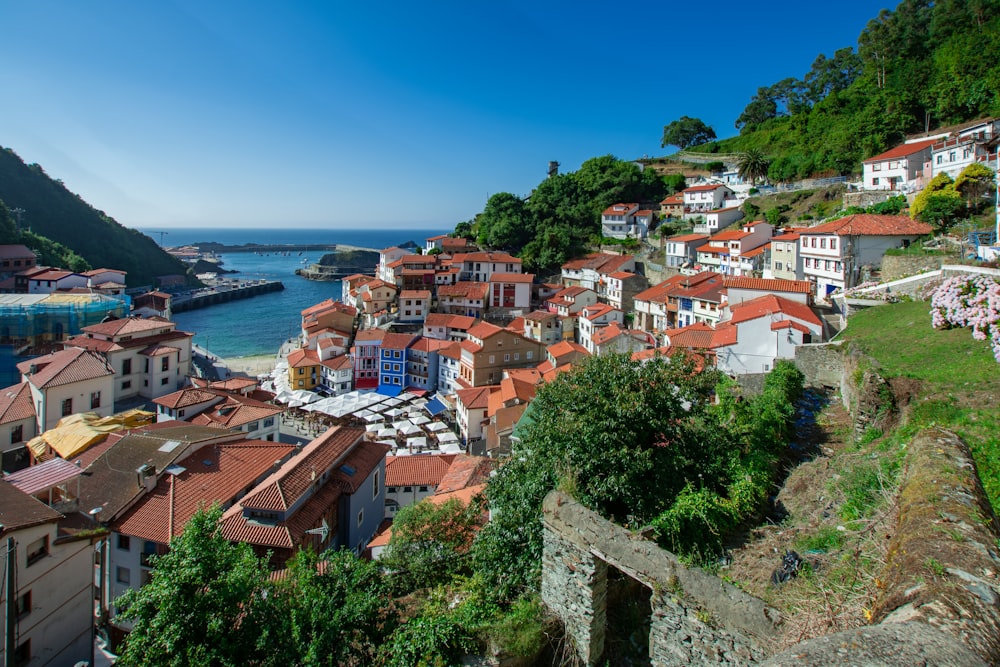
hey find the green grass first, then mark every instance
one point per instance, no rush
(959, 378)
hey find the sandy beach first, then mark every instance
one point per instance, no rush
(250, 366)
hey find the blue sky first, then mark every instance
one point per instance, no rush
(345, 114)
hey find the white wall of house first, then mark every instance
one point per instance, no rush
(758, 347)
(470, 421)
(398, 497)
(61, 589)
(49, 402)
(718, 219)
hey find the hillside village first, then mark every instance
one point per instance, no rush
(411, 386)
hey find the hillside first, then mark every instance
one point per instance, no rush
(52, 211)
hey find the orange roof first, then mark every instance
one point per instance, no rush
(698, 335)
(511, 277)
(398, 341)
(211, 474)
(475, 398)
(415, 294)
(465, 471)
(16, 403)
(768, 284)
(674, 199)
(704, 188)
(599, 262)
(789, 324)
(185, 397)
(65, 367)
(870, 224)
(730, 235)
(759, 250)
(370, 334)
(619, 209)
(902, 150)
(303, 357)
(128, 325)
(423, 470)
(770, 304)
(687, 238)
(461, 322)
(483, 330)
(466, 289)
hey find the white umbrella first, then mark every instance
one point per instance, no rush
(410, 430)
(450, 448)
(417, 443)
(447, 436)
(420, 420)
(435, 427)
(386, 433)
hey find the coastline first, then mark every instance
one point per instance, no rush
(250, 366)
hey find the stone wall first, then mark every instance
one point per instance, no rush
(866, 198)
(697, 618)
(821, 363)
(901, 266)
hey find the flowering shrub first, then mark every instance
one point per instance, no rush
(969, 301)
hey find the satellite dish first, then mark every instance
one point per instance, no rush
(323, 531)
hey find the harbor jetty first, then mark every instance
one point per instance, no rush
(221, 292)
(265, 248)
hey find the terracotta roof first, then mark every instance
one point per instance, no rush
(493, 257)
(128, 325)
(789, 324)
(704, 188)
(619, 209)
(359, 464)
(283, 488)
(698, 335)
(753, 252)
(16, 404)
(475, 398)
(565, 347)
(516, 389)
(466, 289)
(15, 251)
(65, 367)
(329, 304)
(599, 262)
(423, 470)
(338, 363)
(236, 411)
(303, 357)
(771, 304)
(539, 315)
(870, 224)
(398, 341)
(597, 310)
(453, 351)
(185, 397)
(730, 235)
(768, 284)
(53, 274)
(287, 534)
(370, 334)
(498, 277)
(465, 471)
(483, 330)
(415, 294)
(210, 475)
(787, 236)
(607, 333)
(461, 322)
(902, 150)
(18, 510)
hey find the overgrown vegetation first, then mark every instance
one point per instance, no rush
(863, 100)
(66, 231)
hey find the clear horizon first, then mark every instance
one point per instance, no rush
(184, 114)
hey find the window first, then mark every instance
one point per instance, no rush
(423, 489)
(67, 407)
(252, 426)
(95, 400)
(38, 550)
(939, 159)
(22, 655)
(375, 485)
(16, 434)
(407, 489)
(164, 381)
(361, 517)
(126, 367)
(124, 542)
(123, 575)
(165, 363)
(268, 422)
(529, 355)
(127, 384)
(833, 243)
(822, 244)
(493, 359)
(506, 357)
(22, 607)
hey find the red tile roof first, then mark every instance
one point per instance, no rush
(902, 150)
(128, 325)
(768, 284)
(704, 188)
(212, 474)
(65, 367)
(698, 335)
(730, 235)
(476, 397)
(498, 277)
(466, 289)
(398, 341)
(483, 330)
(464, 472)
(303, 357)
(423, 470)
(599, 262)
(415, 294)
(460, 322)
(185, 397)
(16, 404)
(870, 224)
(370, 334)
(619, 209)
(771, 304)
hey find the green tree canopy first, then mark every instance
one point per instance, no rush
(686, 132)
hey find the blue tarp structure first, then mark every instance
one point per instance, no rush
(435, 407)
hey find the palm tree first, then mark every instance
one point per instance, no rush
(753, 165)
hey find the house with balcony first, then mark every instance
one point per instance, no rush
(509, 291)
(478, 267)
(441, 326)
(700, 199)
(392, 363)
(463, 298)
(449, 368)
(543, 326)
(626, 221)
(975, 142)
(423, 359)
(365, 353)
(841, 253)
(337, 375)
(897, 167)
(700, 302)
(680, 252)
(589, 271)
(717, 220)
(490, 349)
(620, 288)
(724, 251)
(150, 357)
(471, 408)
(386, 257)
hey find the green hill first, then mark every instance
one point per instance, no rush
(60, 216)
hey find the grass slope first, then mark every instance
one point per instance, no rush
(958, 379)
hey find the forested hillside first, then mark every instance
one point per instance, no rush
(60, 221)
(925, 65)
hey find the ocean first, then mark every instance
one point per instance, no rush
(260, 324)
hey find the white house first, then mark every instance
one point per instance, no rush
(973, 143)
(479, 266)
(53, 571)
(414, 305)
(700, 199)
(724, 250)
(834, 254)
(17, 426)
(594, 317)
(47, 281)
(150, 357)
(510, 290)
(718, 219)
(471, 409)
(337, 375)
(680, 251)
(387, 257)
(410, 479)
(755, 333)
(897, 167)
(66, 382)
(622, 221)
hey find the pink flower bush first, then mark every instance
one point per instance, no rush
(969, 301)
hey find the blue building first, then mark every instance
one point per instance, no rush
(392, 363)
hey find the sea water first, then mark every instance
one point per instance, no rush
(260, 324)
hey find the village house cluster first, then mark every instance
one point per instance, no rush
(451, 341)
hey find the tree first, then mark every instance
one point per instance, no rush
(505, 223)
(939, 185)
(942, 210)
(334, 611)
(752, 165)
(973, 182)
(761, 108)
(686, 132)
(429, 541)
(202, 604)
